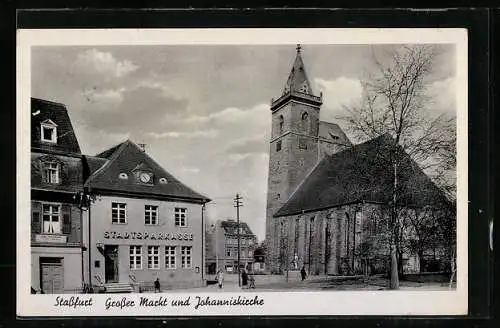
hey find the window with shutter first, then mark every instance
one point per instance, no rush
(36, 225)
(66, 214)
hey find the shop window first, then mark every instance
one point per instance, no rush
(52, 219)
(150, 214)
(135, 257)
(186, 256)
(170, 257)
(118, 213)
(153, 257)
(180, 217)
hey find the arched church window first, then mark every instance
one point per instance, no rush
(305, 123)
(281, 124)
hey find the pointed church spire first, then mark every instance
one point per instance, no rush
(297, 80)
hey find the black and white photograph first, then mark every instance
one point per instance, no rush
(177, 172)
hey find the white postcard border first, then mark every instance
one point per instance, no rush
(401, 302)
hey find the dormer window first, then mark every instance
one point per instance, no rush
(48, 131)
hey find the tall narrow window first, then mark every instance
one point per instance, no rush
(150, 214)
(305, 123)
(186, 256)
(180, 217)
(51, 219)
(153, 257)
(170, 257)
(50, 172)
(278, 145)
(281, 124)
(135, 255)
(118, 213)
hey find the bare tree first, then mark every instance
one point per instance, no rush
(394, 101)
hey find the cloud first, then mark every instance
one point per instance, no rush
(443, 95)
(103, 63)
(176, 134)
(258, 144)
(105, 99)
(340, 92)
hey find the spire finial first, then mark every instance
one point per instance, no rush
(299, 47)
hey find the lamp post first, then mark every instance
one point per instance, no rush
(84, 200)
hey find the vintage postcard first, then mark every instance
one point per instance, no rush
(198, 172)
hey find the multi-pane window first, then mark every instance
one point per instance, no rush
(180, 216)
(153, 257)
(228, 252)
(135, 257)
(170, 257)
(150, 214)
(186, 256)
(51, 218)
(50, 172)
(118, 213)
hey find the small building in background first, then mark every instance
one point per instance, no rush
(222, 247)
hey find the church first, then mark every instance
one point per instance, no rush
(328, 199)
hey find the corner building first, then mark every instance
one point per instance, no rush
(56, 221)
(145, 224)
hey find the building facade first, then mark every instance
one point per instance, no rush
(56, 219)
(144, 224)
(329, 200)
(222, 252)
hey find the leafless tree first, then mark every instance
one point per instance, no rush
(395, 100)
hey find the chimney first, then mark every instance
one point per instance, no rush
(142, 146)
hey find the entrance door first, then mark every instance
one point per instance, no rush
(51, 275)
(111, 263)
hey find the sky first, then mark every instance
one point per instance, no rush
(203, 110)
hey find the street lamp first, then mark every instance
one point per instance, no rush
(84, 200)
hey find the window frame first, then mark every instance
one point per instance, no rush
(51, 215)
(149, 211)
(48, 171)
(152, 256)
(182, 218)
(135, 257)
(118, 213)
(186, 254)
(170, 257)
(53, 127)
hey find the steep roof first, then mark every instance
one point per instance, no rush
(363, 173)
(44, 111)
(297, 80)
(329, 131)
(230, 227)
(105, 168)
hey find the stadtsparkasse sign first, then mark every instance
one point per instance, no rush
(148, 235)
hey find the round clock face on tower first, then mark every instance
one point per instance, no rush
(145, 177)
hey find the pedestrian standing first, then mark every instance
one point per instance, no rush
(303, 273)
(220, 278)
(244, 278)
(157, 285)
(251, 280)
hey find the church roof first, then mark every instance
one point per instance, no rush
(332, 131)
(55, 114)
(127, 157)
(297, 80)
(363, 173)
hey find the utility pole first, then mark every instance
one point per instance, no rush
(238, 204)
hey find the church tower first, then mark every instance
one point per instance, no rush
(294, 148)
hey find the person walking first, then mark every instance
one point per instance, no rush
(303, 273)
(244, 278)
(251, 281)
(157, 285)
(220, 278)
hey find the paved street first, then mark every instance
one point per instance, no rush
(269, 283)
